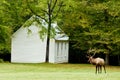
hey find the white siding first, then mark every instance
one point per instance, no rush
(28, 48)
(52, 51)
(61, 52)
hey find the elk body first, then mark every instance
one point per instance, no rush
(99, 62)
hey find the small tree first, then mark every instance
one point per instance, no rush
(48, 14)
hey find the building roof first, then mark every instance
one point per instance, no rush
(56, 30)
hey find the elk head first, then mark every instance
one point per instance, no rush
(90, 57)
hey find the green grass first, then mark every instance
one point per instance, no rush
(45, 71)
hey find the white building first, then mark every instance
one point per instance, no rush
(28, 47)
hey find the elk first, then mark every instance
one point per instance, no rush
(99, 62)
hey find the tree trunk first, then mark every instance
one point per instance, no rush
(49, 29)
(47, 50)
(107, 59)
(48, 41)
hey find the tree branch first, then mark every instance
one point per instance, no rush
(52, 9)
(49, 5)
(44, 11)
(60, 6)
(36, 13)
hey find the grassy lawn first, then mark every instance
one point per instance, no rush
(45, 71)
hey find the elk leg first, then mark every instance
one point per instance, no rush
(100, 69)
(96, 69)
(104, 68)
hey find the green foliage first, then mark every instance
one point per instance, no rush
(5, 33)
(93, 24)
(1, 61)
(14, 13)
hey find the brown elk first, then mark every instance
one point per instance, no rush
(99, 62)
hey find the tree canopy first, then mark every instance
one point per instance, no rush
(93, 24)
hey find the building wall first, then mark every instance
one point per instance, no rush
(28, 48)
(61, 51)
(52, 51)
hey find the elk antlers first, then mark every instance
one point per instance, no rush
(91, 51)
